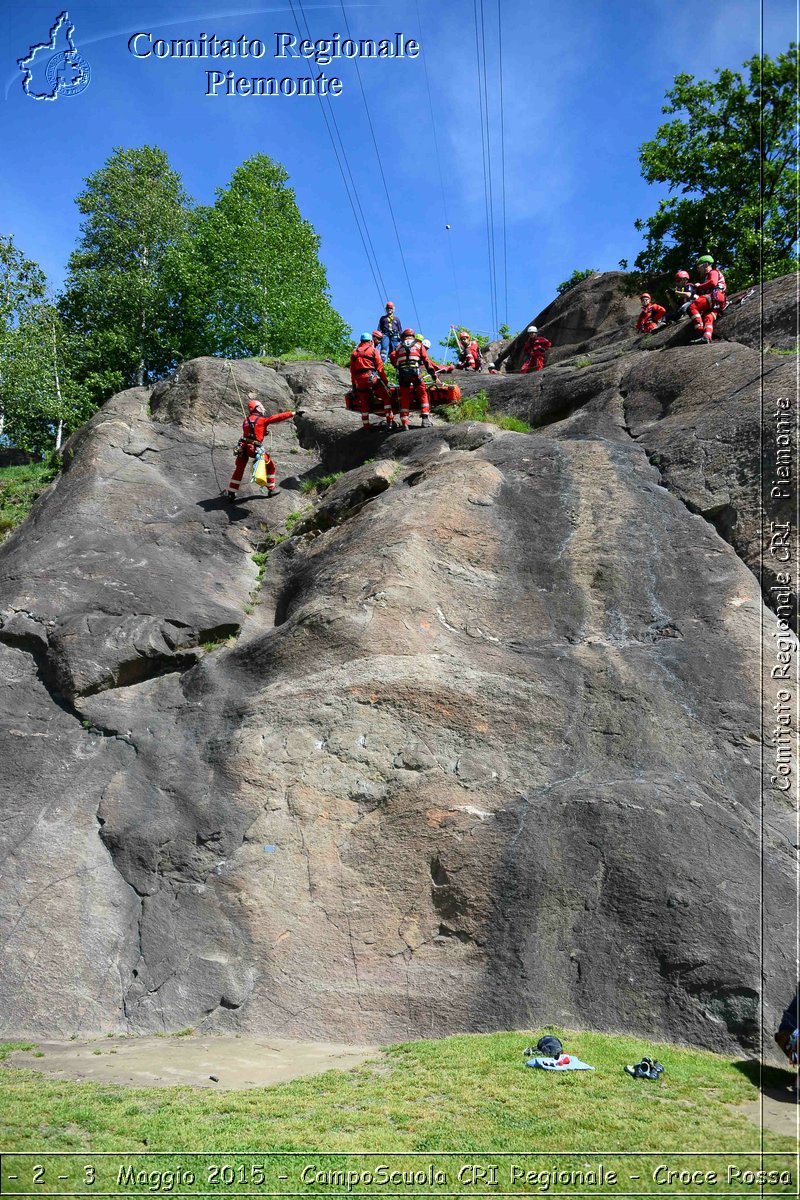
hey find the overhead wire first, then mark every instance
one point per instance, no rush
(502, 158)
(345, 171)
(383, 176)
(489, 164)
(437, 151)
(488, 208)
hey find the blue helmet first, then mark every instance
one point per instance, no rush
(366, 337)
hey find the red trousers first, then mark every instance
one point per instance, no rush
(407, 390)
(364, 395)
(534, 362)
(704, 315)
(242, 460)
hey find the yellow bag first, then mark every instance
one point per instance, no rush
(260, 472)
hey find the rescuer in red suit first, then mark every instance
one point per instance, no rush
(711, 300)
(254, 427)
(651, 315)
(410, 359)
(368, 375)
(534, 351)
(469, 354)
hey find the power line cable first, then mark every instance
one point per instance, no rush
(487, 210)
(489, 164)
(366, 241)
(448, 239)
(503, 159)
(383, 177)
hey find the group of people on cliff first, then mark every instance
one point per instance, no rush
(702, 301)
(407, 351)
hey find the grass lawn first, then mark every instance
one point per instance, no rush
(19, 487)
(476, 408)
(464, 1094)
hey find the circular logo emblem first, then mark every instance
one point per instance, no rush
(68, 73)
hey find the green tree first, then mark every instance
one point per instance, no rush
(248, 280)
(576, 277)
(39, 400)
(116, 300)
(730, 155)
(451, 341)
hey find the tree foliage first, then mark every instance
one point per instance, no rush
(248, 278)
(39, 400)
(730, 158)
(576, 277)
(116, 299)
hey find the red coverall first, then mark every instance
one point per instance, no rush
(649, 318)
(253, 430)
(369, 378)
(712, 299)
(534, 353)
(469, 356)
(409, 362)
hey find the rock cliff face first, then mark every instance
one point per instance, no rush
(478, 746)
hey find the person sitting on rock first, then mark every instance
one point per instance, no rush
(469, 354)
(254, 428)
(410, 359)
(390, 328)
(534, 351)
(680, 297)
(711, 299)
(368, 375)
(651, 315)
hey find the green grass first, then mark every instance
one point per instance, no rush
(296, 516)
(776, 350)
(462, 1094)
(476, 408)
(322, 482)
(583, 362)
(300, 355)
(19, 487)
(218, 643)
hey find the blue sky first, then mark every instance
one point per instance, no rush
(582, 85)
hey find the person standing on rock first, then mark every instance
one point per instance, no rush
(651, 315)
(534, 351)
(410, 359)
(711, 299)
(368, 376)
(390, 328)
(254, 428)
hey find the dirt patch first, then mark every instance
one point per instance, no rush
(776, 1109)
(226, 1063)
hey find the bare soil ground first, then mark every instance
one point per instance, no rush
(197, 1061)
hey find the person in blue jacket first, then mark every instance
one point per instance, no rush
(391, 331)
(786, 1036)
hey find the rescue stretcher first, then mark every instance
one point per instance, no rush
(438, 394)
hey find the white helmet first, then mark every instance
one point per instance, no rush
(427, 344)
(532, 329)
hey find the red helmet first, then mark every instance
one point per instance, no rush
(389, 304)
(408, 333)
(645, 296)
(255, 406)
(464, 336)
(376, 333)
(682, 275)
